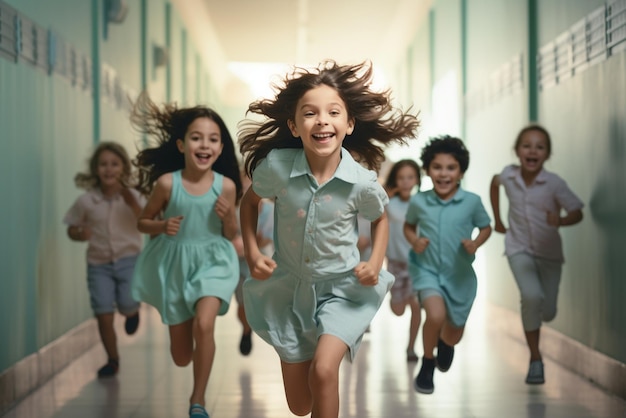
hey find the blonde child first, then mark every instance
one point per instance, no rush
(532, 243)
(189, 269)
(105, 216)
(314, 299)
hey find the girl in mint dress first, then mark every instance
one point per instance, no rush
(315, 298)
(189, 269)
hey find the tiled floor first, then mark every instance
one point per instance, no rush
(486, 380)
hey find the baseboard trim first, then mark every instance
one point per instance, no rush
(32, 371)
(605, 371)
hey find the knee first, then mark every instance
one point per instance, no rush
(299, 409)
(322, 374)
(203, 326)
(180, 357)
(397, 308)
(549, 314)
(532, 300)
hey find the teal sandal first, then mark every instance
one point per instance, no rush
(197, 411)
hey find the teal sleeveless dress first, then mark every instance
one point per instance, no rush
(173, 272)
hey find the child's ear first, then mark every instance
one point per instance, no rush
(351, 123)
(180, 144)
(293, 128)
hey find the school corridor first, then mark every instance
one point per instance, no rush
(477, 69)
(486, 379)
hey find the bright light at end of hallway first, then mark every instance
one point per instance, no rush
(259, 76)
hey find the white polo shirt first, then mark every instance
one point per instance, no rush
(528, 229)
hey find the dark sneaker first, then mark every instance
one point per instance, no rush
(424, 380)
(110, 369)
(445, 354)
(245, 345)
(535, 373)
(131, 324)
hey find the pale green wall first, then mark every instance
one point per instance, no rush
(47, 132)
(586, 119)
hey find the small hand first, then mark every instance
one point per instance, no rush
(222, 207)
(128, 196)
(469, 245)
(172, 225)
(499, 227)
(262, 268)
(366, 274)
(553, 219)
(419, 246)
(84, 232)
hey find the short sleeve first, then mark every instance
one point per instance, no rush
(264, 177)
(372, 200)
(566, 197)
(76, 214)
(412, 217)
(480, 218)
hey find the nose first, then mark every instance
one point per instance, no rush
(321, 120)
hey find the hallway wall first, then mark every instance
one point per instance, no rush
(469, 73)
(49, 124)
(584, 114)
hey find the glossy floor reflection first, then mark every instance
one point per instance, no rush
(486, 380)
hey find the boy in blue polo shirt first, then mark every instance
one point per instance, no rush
(439, 225)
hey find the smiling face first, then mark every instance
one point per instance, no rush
(110, 170)
(202, 144)
(321, 121)
(532, 151)
(445, 172)
(406, 180)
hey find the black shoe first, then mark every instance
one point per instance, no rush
(245, 345)
(131, 324)
(445, 354)
(110, 369)
(424, 381)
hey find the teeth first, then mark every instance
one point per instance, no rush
(322, 135)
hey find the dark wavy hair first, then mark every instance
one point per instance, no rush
(391, 182)
(376, 121)
(446, 144)
(90, 179)
(168, 124)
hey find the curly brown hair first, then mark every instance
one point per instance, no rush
(376, 121)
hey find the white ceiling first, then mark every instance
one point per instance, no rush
(302, 32)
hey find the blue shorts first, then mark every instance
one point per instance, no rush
(109, 286)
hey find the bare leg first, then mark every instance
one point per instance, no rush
(416, 319)
(324, 376)
(435, 319)
(107, 335)
(532, 339)
(181, 343)
(241, 314)
(204, 353)
(297, 391)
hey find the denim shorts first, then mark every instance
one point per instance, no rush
(109, 286)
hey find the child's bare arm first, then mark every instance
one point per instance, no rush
(225, 209)
(472, 245)
(367, 272)
(148, 222)
(494, 194)
(261, 266)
